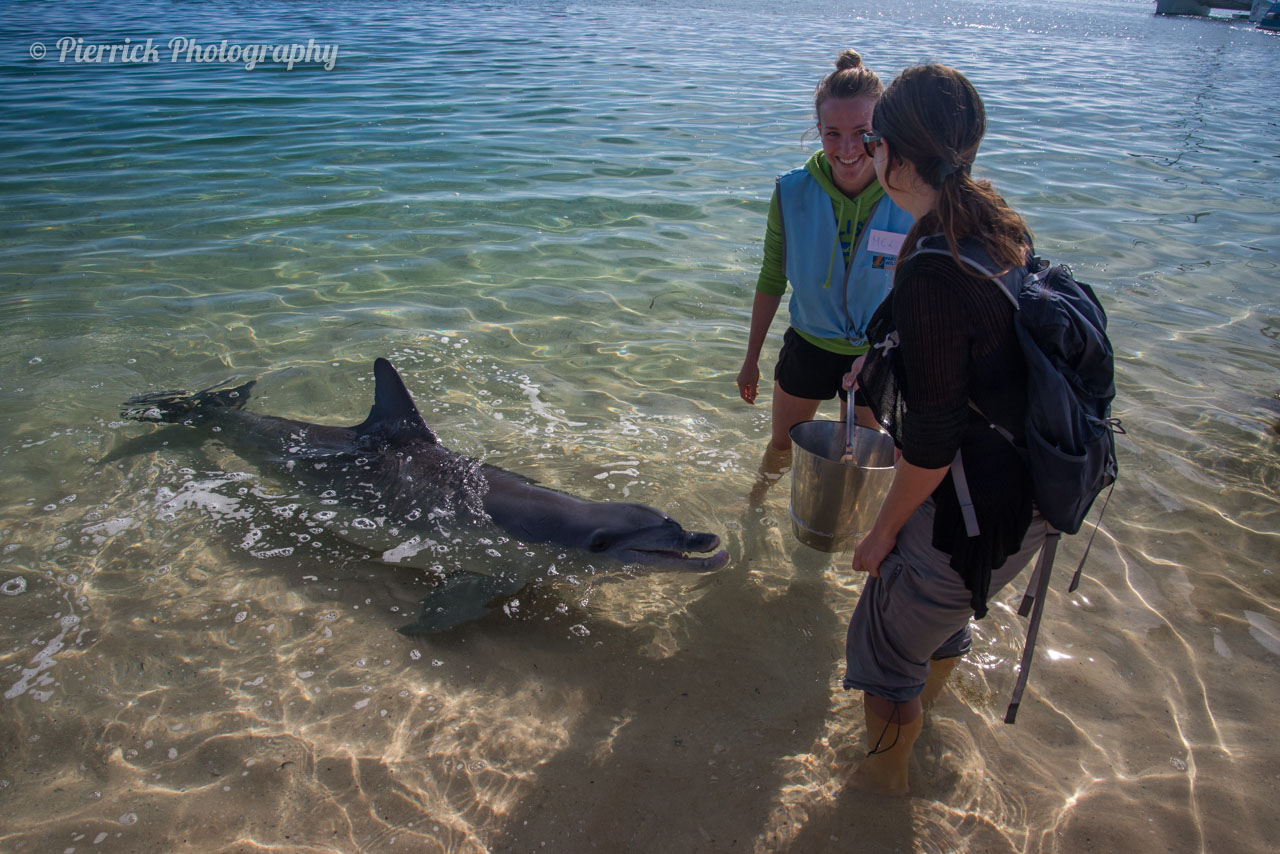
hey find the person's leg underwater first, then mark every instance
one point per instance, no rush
(892, 730)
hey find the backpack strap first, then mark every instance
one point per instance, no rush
(961, 481)
(1033, 602)
(963, 496)
(1075, 579)
(1005, 434)
(984, 268)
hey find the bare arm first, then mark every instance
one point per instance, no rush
(911, 486)
(763, 309)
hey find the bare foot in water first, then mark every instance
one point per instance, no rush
(872, 777)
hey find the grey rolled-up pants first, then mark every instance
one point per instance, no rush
(917, 610)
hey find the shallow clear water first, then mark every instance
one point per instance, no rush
(549, 215)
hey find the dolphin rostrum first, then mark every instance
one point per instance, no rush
(407, 495)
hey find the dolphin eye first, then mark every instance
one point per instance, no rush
(599, 542)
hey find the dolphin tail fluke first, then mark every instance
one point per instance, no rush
(181, 407)
(460, 599)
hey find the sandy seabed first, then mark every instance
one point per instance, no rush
(221, 702)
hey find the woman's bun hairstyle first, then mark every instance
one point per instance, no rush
(851, 79)
(848, 59)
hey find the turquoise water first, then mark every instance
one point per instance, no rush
(550, 216)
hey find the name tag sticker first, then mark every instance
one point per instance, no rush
(885, 242)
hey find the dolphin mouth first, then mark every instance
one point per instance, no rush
(673, 559)
(715, 561)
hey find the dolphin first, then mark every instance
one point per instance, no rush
(405, 495)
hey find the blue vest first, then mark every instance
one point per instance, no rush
(829, 300)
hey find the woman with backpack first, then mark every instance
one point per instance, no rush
(943, 349)
(828, 235)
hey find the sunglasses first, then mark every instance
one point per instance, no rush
(869, 142)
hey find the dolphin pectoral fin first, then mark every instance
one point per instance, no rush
(150, 443)
(460, 599)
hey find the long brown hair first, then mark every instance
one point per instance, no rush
(932, 117)
(851, 79)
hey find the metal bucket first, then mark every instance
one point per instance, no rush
(834, 501)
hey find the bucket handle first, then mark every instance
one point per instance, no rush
(850, 430)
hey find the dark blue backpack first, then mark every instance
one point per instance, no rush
(1070, 449)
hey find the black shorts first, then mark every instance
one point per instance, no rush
(806, 370)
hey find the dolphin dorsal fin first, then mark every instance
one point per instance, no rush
(394, 415)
